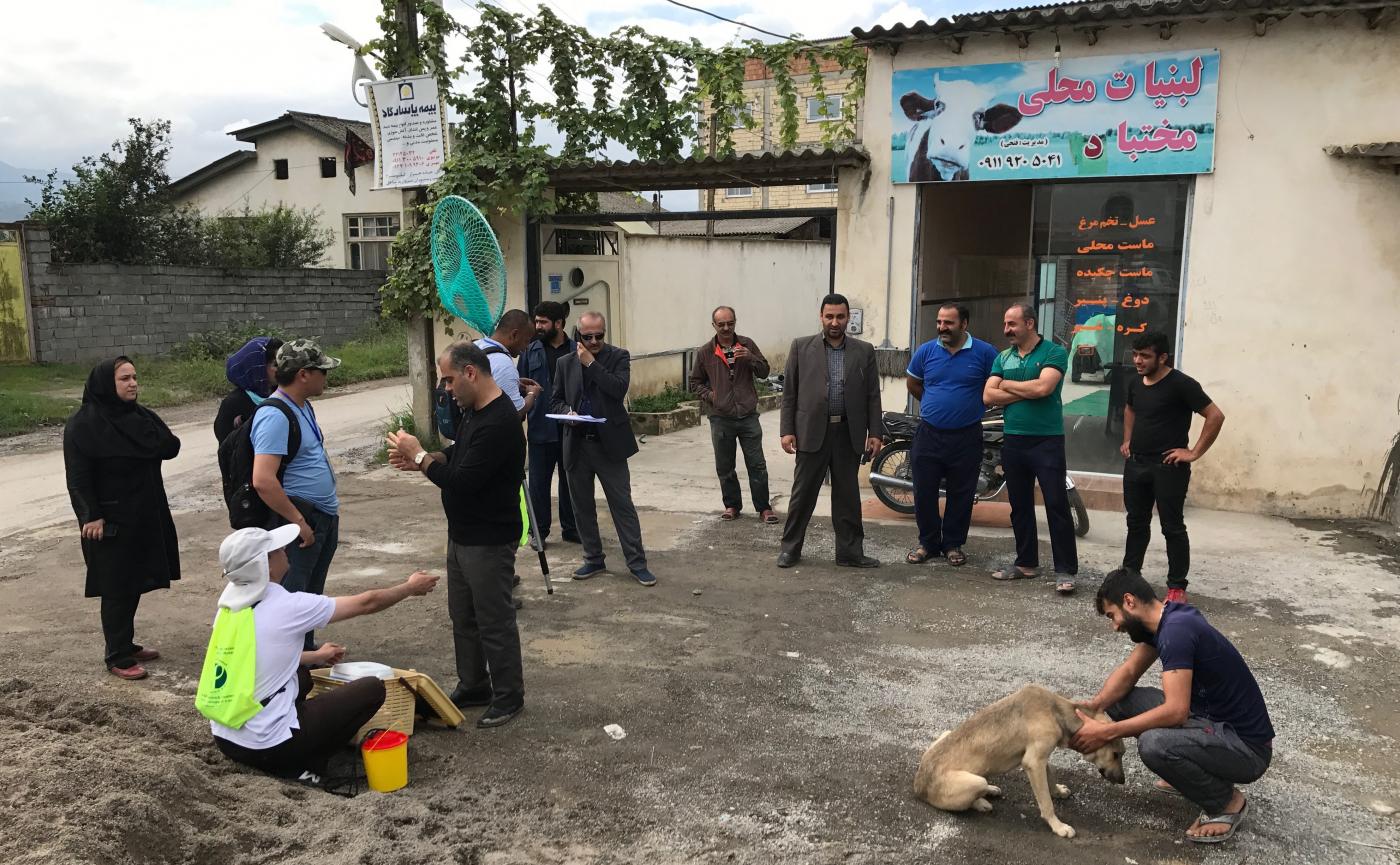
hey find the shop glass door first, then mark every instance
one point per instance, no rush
(1107, 261)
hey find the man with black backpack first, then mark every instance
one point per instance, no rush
(511, 337)
(297, 483)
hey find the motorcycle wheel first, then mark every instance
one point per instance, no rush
(1079, 514)
(894, 461)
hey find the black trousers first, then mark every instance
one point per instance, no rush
(1147, 481)
(484, 633)
(840, 458)
(1026, 461)
(545, 457)
(119, 629)
(945, 457)
(325, 725)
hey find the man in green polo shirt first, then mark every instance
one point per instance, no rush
(1026, 379)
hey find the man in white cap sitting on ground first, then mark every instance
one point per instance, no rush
(290, 736)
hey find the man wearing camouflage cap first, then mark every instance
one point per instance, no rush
(299, 487)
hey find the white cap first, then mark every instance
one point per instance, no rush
(243, 556)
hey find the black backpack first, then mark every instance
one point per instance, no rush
(245, 507)
(446, 412)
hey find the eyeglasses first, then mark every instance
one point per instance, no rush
(591, 337)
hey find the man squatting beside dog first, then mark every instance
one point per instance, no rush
(1207, 728)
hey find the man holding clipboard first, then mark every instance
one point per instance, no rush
(593, 382)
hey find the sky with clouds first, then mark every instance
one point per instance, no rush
(76, 69)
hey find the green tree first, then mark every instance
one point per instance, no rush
(281, 237)
(118, 208)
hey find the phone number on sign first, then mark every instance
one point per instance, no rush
(1021, 160)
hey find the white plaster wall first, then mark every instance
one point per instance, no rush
(253, 185)
(1294, 257)
(672, 284)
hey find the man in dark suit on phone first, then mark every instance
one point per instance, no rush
(593, 381)
(830, 418)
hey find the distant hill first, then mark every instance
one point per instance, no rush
(13, 190)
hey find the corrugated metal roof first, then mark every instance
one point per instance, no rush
(771, 227)
(787, 168)
(1382, 153)
(333, 128)
(1375, 150)
(1087, 15)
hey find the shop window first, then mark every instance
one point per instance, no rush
(1107, 261)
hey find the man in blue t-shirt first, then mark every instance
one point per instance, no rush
(1207, 728)
(305, 494)
(946, 375)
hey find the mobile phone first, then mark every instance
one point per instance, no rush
(109, 530)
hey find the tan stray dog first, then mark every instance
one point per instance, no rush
(1021, 729)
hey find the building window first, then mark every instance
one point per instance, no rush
(279, 169)
(821, 187)
(369, 239)
(739, 192)
(814, 109)
(745, 113)
(581, 241)
(328, 166)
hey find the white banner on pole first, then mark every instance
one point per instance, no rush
(410, 131)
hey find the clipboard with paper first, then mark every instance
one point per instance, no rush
(577, 418)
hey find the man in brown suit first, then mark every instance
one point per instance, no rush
(830, 417)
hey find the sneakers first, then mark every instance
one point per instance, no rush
(588, 570)
(131, 674)
(499, 717)
(1178, 595)
(645, 577)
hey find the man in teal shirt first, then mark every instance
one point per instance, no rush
(1026, 379)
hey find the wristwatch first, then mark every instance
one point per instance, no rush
(418, 460)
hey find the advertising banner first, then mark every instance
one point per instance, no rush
(410, 131)
(1144, 114)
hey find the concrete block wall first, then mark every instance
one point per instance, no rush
(84, 312)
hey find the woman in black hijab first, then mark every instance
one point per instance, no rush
(112, 451)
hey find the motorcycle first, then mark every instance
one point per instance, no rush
(892, 474)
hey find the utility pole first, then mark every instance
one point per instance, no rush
(710, 193)
(422, 371)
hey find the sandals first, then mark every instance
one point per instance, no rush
(956, 558)
(1009, 571)
(917, 556)
(1231, 820)
(1065, 585)
(729, 514)
(1165, 789)
(769, 517)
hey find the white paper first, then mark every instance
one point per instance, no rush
(409, 126)
(580, 418)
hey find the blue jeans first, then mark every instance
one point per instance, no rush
(309, 565)
(938, 457)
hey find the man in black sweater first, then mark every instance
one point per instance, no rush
(480, 477)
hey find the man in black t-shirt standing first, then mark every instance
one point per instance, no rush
(1157, 471)
(480, 476)
(1207, 728)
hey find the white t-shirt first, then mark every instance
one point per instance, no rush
(280, 620)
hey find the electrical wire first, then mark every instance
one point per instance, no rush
(732, 21)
